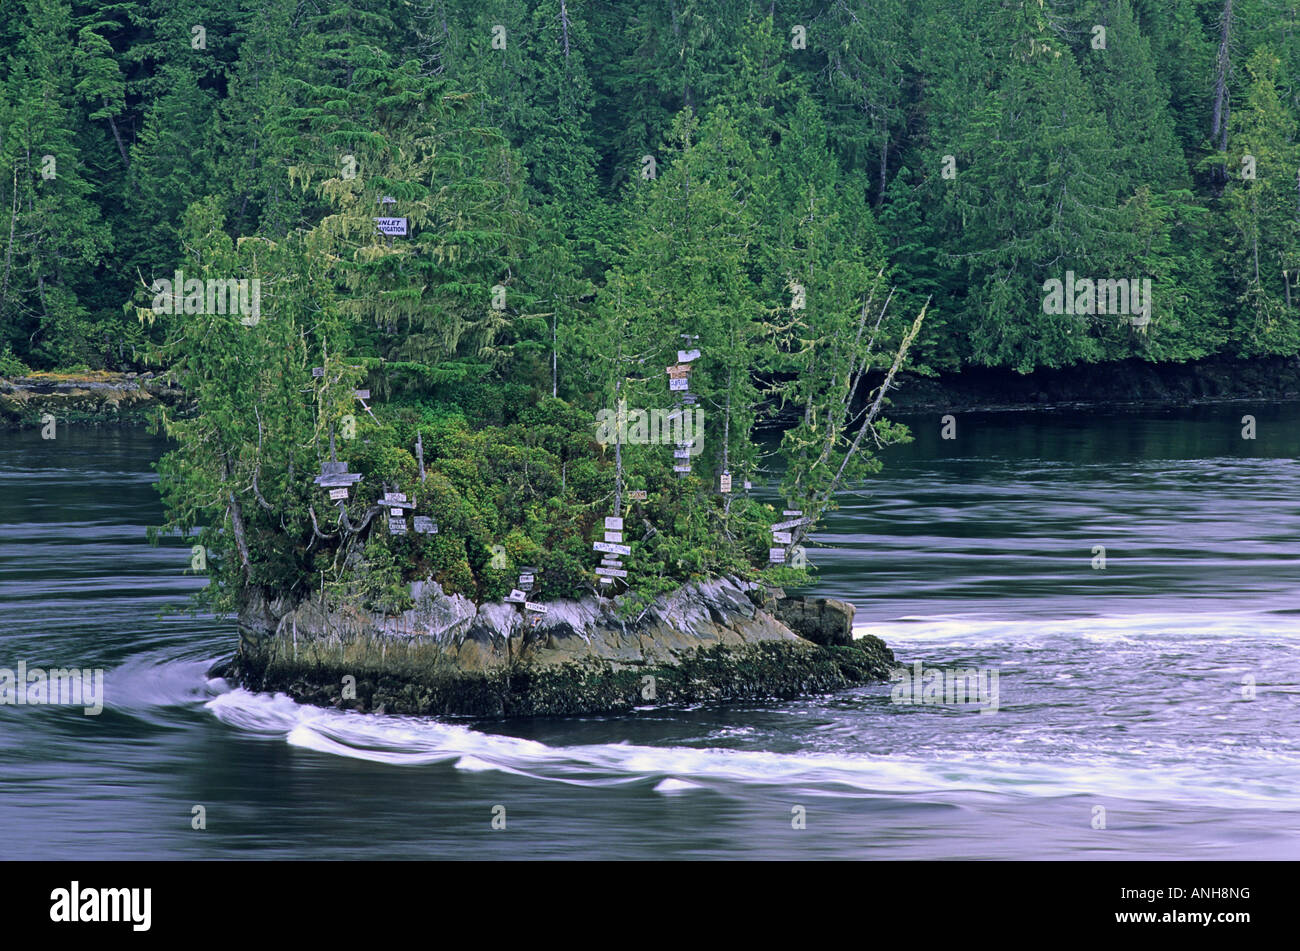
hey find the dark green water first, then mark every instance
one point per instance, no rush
(1120, 688)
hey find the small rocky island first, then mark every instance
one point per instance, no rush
(724, 639)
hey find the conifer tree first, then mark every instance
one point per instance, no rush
(1262, 208)
(390, 145)
(54, 237)
(1034, 202)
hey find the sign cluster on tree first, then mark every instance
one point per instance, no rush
(679, 378)
(611, 565)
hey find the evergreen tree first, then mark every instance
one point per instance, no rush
(390, 144)
(1262, 209)
(1034, 203)
(55, 237)
(1124, 83)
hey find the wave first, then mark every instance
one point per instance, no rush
(421, 741)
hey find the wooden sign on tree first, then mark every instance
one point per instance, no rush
(334, 474)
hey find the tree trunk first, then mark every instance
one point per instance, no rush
(726, 425)
(117, 137)
(1254, 207)
(9, 250)
(1219, 130)
(618, 445)
(884, 167)
(237, 524)
(564, 23)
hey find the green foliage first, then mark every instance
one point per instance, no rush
(10, 365)
(1065, 154)
(945, 157)
(1262, 211)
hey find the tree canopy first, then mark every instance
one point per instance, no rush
(584, 188)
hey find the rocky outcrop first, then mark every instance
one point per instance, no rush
(824, 621)
(446, 655)
(94, 398)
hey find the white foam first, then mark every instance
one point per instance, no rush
(672, 786)
(474, 764)
(415, 741)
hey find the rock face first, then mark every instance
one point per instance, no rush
(824, 621)
(103, 397)
(705, 641)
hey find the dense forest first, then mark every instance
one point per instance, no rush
(579, 192)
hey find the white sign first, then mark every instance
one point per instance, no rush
(681, 454)
(686, 356)
(613, 524)
(781, 538)
(525, 579)
(605, 580)
(425, 525)
(395, 513)
(317, 371)
(391, 225)
(792, 512)
(609, 549)
(637, 495)
(534, 606)
(685, 468)
(776, 555)
(614, 537)
(609, 562)
(780, 526)
(397, 526)
(612, 572)
(678, 383)
(725, 482)
(516, 595)
(361, 394)
(394, 497)
(338, 494)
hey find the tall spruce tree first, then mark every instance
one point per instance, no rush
(1262, 209)
(55, 237)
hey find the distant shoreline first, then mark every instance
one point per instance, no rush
(127, 398)
(93, 398)
(1122, 383)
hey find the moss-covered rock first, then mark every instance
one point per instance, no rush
(705, 642)
(82, 398)
(768, 671)
(824, 621)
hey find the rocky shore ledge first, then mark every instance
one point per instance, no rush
(724, 639)
(83, 398)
